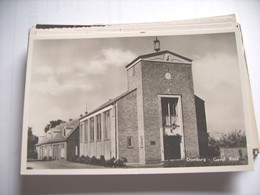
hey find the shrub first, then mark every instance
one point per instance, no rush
(44, 158)
(50, 157)
(120, 162)
(110, 162)
(87, 160)
(93, 160)
(124, 159)
(74, 158)
(102, 161)
(82, 159)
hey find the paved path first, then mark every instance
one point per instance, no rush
(59, 165)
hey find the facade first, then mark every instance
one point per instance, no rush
(155, 120)
(60, 142)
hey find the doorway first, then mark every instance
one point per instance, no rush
(172, 149)
(172, 127)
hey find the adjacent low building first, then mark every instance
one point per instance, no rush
(60, 142)
(157, 119)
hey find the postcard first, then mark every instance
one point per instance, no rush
(154, 98)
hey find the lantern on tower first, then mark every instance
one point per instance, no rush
(156, 45)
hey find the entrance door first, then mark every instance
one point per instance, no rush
(172, 148)
(172, 128)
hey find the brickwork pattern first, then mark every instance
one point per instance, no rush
(72, 143)
(154, 84)
(135, 81)
(127, 127)
(202, 127)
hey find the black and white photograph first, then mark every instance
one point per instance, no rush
(157, 102)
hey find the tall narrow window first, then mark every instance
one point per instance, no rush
(169, 111)
(141, 141)
(50, 150)
(86, 130)
(92, 129)
(76, 150)
(81, 136)
(62, 151)
(130, 143)
(133, 71)
(98, 123)
(107, 124)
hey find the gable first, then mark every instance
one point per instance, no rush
(167, 57)
(162, 56)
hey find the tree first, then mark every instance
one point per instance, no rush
(32, 141)
(231, 140)
(53, 124)
(213, 147)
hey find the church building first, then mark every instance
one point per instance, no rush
(157, 119)
(60, 142)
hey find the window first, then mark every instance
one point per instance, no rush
(81, 136)
(50, 150)
(141, 141)
(107, 125)
(92, 129)
(76, 150)
(169, 111)
(130, 143)
(133, 71)
(62, 151)
(45, 150)
(86, 130)
(98, 123)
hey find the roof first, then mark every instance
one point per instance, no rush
(59, 137)
(108, 103)
(198, 98)
(157, 54)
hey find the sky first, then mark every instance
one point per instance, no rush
(71, 76)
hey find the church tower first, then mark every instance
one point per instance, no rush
(166, 112)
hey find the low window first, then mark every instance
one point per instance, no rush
(130, 143)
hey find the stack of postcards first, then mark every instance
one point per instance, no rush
(150, 98)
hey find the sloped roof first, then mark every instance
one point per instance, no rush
(108, 103)
(59, 137)
(157, 54)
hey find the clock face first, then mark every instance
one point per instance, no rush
(168, 75)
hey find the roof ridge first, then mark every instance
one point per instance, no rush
(111, 101)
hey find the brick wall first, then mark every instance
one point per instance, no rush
(202, 127)
(72, 143)
(154, 84)
(234, 152)
(127, 127)
(135, 82)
